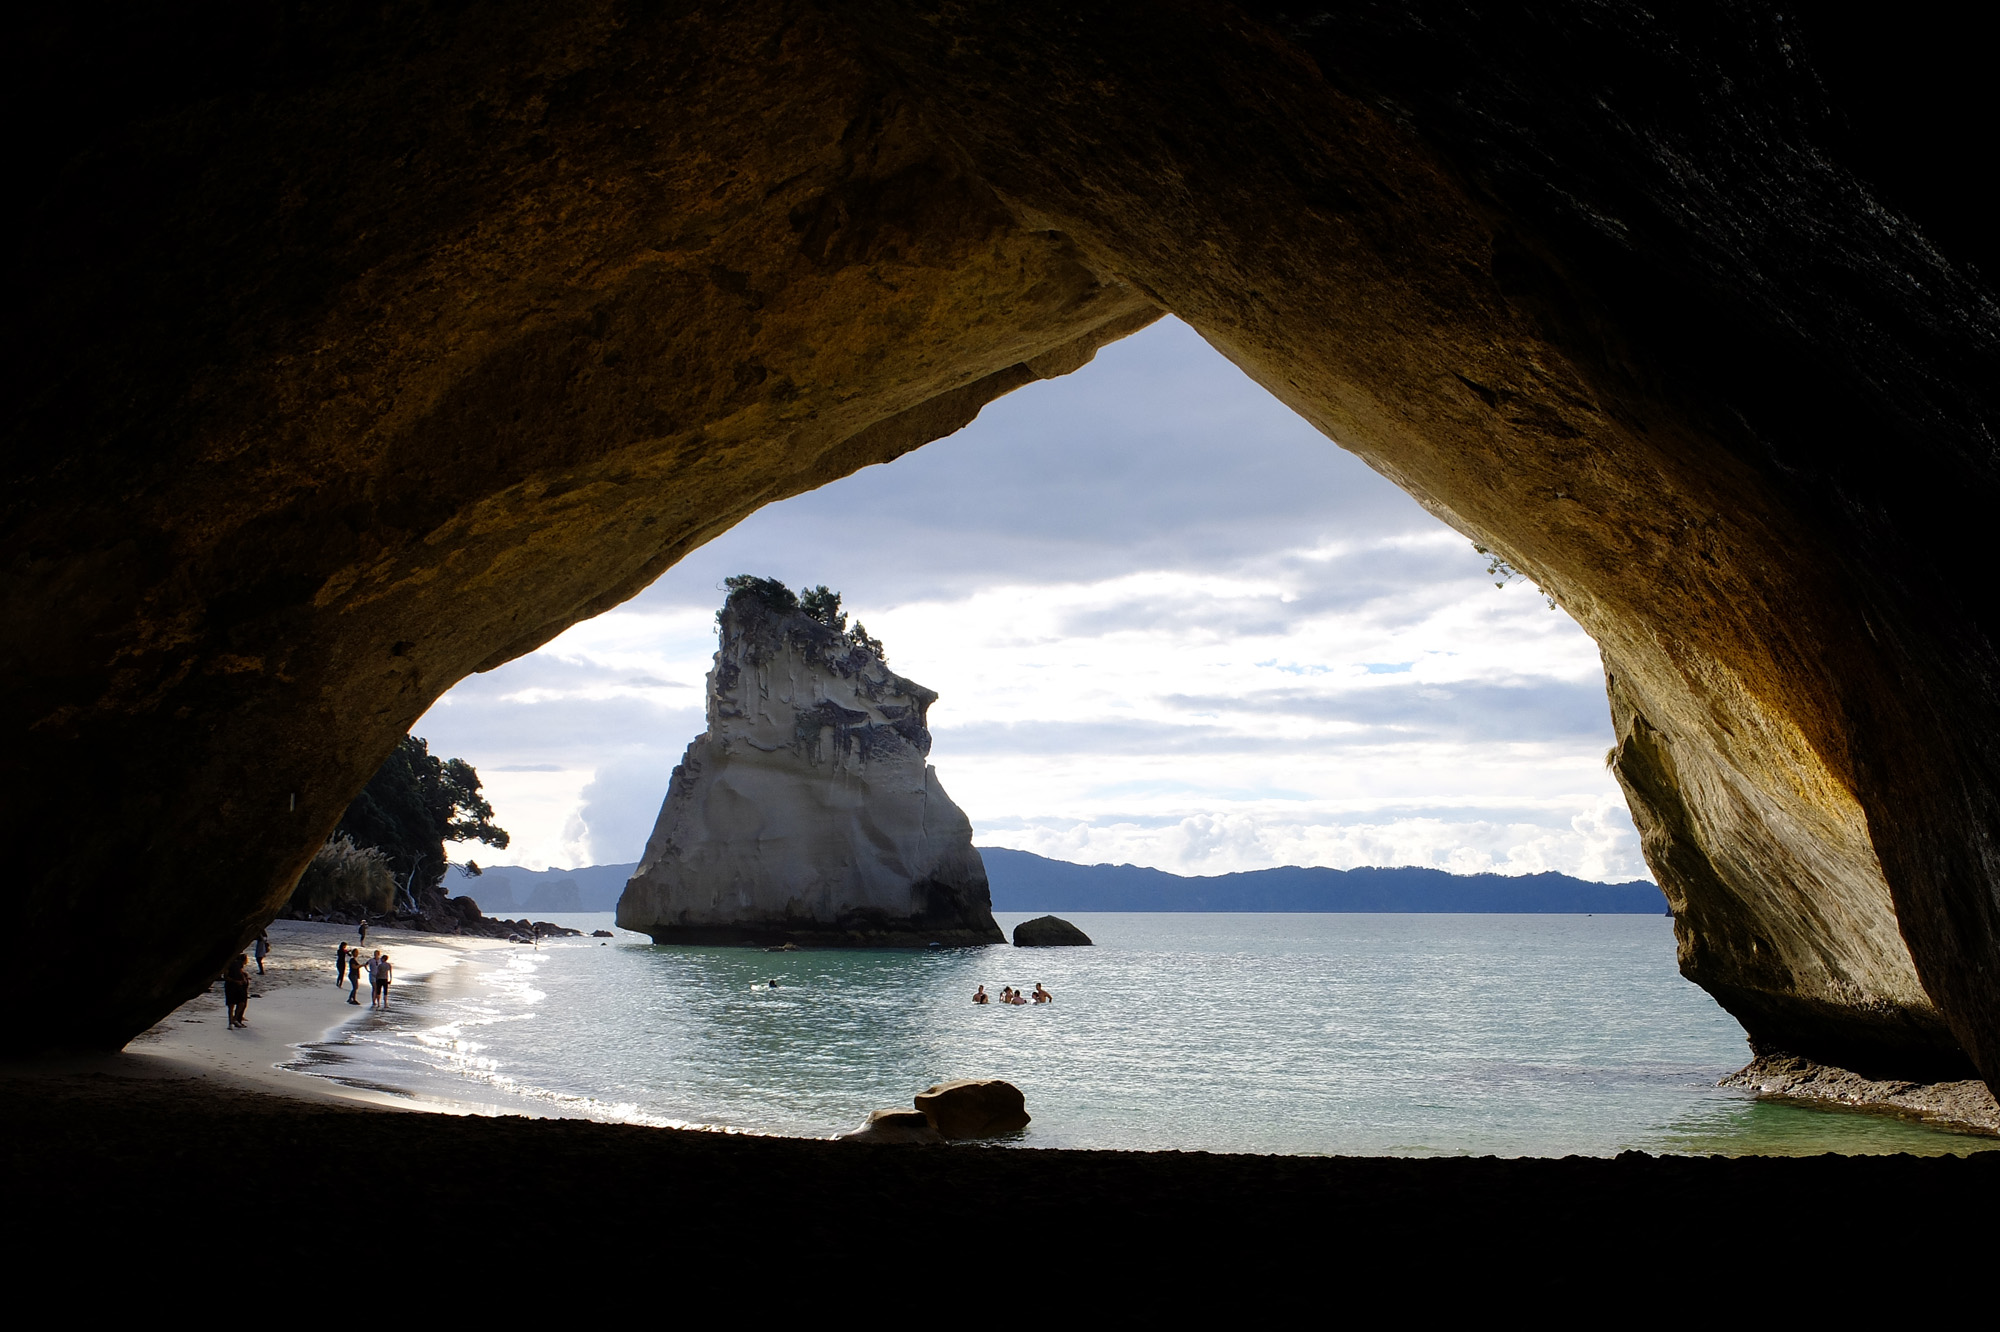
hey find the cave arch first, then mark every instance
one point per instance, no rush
(354, 351)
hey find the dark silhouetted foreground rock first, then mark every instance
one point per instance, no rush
(1049, 932)
(895, 1127)
(107, 1165)
(974, 1108)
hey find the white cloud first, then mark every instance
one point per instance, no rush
(1170, 625)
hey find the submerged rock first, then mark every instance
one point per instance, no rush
(889, 1127)
(974, 1108)
(1049, 932)
(806, 812)
(1966, 1104)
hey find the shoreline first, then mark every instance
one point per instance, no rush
(296, 1006)
(293, 1005)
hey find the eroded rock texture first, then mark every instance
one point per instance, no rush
(362, 348)
(806, 812)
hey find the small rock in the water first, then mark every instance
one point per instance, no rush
(895, 1126)
(1049, 932)
(974, 1108)
(602, 934)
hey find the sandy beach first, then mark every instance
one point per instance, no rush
(294, 1003)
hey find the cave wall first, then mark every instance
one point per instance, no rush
(377, 349)
(401, 345)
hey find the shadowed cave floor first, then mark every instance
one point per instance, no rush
(107, 1164)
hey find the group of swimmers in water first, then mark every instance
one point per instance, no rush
(1010, 995)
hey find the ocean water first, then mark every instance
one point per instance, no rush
(1347, 1034)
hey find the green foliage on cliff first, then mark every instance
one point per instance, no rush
(344, 875)
(861, 638)
(821, 603)
(414, 805)
(1504, 573)
(767, 592)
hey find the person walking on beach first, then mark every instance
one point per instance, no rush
(384, 973)
(236, 990)
(340, 966)
(374, 966)
(363, 933)
(263, 950)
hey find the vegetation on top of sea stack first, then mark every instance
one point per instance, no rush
(820, 603)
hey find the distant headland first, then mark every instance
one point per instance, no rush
(1023, 881)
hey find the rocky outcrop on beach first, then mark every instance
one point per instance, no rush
(974, 1108)
(437, 914)
(887, 1128)
(807, 811)
(1966, 1105)
(949, 1112)
(1049, 932)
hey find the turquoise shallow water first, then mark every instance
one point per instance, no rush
(1352, 1034)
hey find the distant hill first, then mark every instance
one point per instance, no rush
(1023, 881)
(506, 888)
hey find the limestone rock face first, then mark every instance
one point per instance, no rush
(807, 812)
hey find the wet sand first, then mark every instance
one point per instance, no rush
(294, 1003)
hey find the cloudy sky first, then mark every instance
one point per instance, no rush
(1171, 625)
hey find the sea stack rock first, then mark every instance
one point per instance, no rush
(807, 812)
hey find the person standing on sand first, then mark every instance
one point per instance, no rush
(386, 973)
(363, 933)
(340, 966)
(263, 950)
(353, 975)
(236, 990)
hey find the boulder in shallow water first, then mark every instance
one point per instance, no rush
(891, 1127)
(1049, 932)
(974, 1108)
